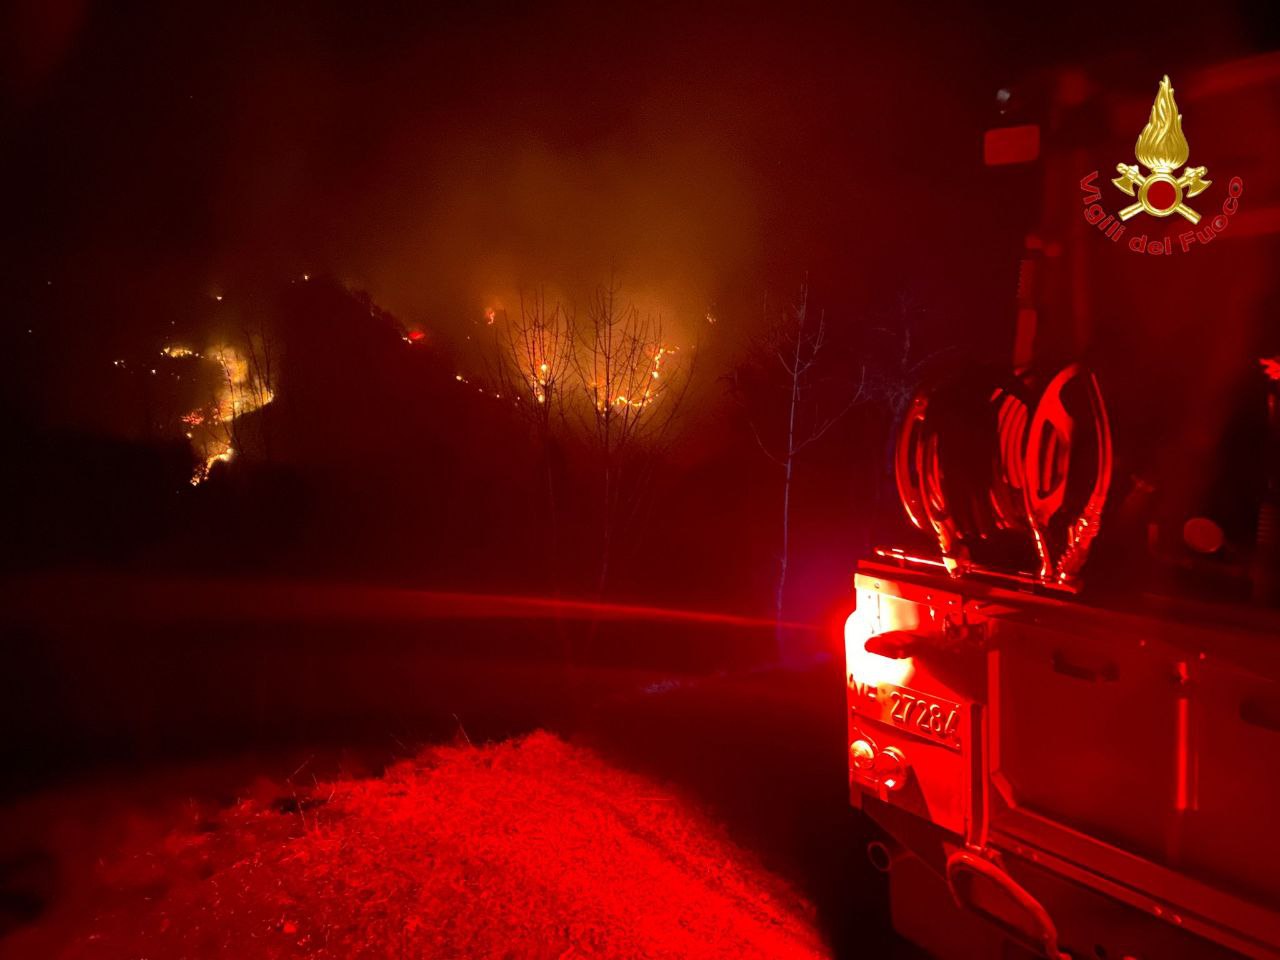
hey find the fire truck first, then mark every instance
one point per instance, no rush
(1063, 683)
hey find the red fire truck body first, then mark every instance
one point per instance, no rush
(1088, 780)
(1079, 773)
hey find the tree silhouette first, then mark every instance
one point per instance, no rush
(632, 393)
(799, 390)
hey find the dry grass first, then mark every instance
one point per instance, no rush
(529, 848)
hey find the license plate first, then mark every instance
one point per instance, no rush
(922, 714)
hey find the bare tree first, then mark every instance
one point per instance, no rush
(809, 408)
(634, 390)
(896, 364)
(531, 359)
(530, 362)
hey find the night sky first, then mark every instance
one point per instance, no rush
(442, 158)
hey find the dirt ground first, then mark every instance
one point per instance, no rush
(531, 847)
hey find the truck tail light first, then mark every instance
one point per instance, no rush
(860, 664)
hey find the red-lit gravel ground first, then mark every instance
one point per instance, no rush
(528, 848)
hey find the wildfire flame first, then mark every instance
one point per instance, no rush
(241, 389)
(648, 392)
(201, 474)
(1161, 145)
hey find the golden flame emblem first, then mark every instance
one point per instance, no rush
(1162, 148)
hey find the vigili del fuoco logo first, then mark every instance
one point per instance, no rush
(1161, 191)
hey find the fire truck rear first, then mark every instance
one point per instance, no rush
(1073, 760)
